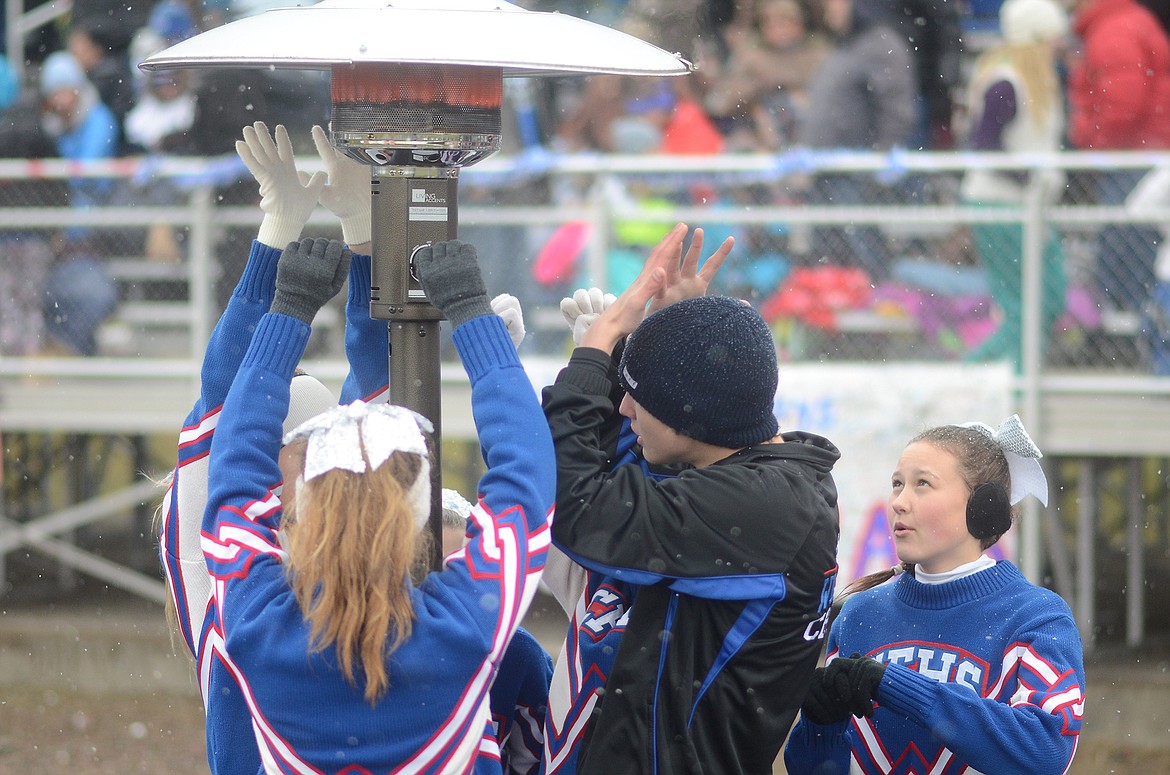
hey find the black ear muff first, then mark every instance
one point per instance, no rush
(989, 511)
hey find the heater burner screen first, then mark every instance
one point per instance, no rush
(412, 117)
(395, 97)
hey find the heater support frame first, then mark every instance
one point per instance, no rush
(412, 207)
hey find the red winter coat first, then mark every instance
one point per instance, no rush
(1119, 91)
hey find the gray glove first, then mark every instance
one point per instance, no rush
(309, 273)
(449, 273)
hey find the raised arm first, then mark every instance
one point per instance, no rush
(667, 276)
(367, 341)
(509, 526)
(186, 498)
(288, 199)
(287, 195)
(240, 524)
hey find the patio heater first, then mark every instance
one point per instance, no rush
(417, 92)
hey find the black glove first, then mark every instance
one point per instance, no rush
(309, 273)
(449, 273)
(866, 677)
(821, 706)
(854, 681)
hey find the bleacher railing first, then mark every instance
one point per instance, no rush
(852, 256)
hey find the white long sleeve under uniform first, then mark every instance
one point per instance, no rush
(308, 718)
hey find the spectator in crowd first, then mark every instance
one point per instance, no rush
(1119, 99)
(960, 663)
(79, 295)
(108, 70)
(159, 124)
(113, 21)
(619, 114)
(861, 98)
(82, 126)
(170, 22)
(757, 97)
(26, 255)
(164, 114)
(1017, 105)
(83, 129)
(55, 289)
(631, 114)
(933, 33)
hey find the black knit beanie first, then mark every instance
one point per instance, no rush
(707, 368)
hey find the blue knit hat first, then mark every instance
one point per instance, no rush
(61, 70)
(172, 21)
(706, 367)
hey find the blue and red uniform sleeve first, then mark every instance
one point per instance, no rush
(186, 497)
(242, 516)
(367, 341)
(508, 529)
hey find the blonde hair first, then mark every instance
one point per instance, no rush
(352, 542)
(979, 458)
(1037, 72)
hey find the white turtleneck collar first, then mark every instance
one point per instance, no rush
(984, 562)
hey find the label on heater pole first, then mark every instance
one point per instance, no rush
(421, 213)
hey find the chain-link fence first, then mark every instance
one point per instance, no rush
(1051, 265)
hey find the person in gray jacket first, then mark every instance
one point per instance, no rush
(862, 98)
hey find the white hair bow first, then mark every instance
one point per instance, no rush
(337, 437)
(1023, 458)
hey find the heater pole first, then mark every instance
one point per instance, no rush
(412, 207)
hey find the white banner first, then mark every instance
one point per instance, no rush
(870, 411)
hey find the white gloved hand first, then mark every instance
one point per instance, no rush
(347, 194)
(507, 306)
(583, 308)
(287, 196)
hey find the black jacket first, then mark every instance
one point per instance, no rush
(736, 564)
